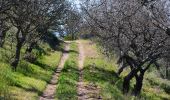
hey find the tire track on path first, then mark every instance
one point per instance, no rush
(49, 92)
(85, 91)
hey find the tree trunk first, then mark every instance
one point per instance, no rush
(72, 36)
(139, 84)
(14, 64)
(127, 79)
(2, 37)
(120, 70)
(167, 72)
(30, 48)
(20, 42)
(122, 66)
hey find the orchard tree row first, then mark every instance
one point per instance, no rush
(137, 31)
(30, 21)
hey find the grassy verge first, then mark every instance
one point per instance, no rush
(155, 88)
(30, 79)
(102, 72)
(67, 83)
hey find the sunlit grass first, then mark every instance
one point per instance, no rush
(52, 59)
(155, 87)
(5, 75)
(30, 79)
(101, 71)
(22, 94)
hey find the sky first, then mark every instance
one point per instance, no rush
(76, 2)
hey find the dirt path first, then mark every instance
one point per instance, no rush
(49, 93)
(85, 91)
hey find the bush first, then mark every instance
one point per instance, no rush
(166, 87)
(30, 57)
(68, 37)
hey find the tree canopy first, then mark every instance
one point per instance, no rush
(136, 30)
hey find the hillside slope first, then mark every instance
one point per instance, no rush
(30, 79)
(100, 71)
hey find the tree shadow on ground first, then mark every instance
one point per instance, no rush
(40, 50)
(96, 74)
(30, 89)
(67, 51)
(42, 65)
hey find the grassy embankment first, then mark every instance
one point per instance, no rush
(67, 83)
(102, 72)
(30, 79)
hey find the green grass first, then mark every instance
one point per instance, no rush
(30, 79)
(5, 74)
(155, 88)
(102, 72)
(67, 83)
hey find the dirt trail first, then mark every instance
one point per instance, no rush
(49, 93)
(85, 91)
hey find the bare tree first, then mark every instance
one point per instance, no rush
(29, 16)
(72, 23)
(135, 30)
(49, 20)
(5, 6)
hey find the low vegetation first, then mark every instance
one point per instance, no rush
(30, 79)
(67, 82)
(136, 31)
(129, 57)
(102, 72)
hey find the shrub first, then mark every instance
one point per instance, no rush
(30, 57)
